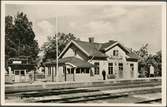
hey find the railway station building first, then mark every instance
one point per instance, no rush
(88, 61)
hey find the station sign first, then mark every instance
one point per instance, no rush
(17, 62)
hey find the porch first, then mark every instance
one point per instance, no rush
(70, 69)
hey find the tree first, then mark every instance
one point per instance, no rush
(143, 55)
(19, 37)
(49, 47)
(158, 59)
(158, 56)
(148, 59)
(10, 46)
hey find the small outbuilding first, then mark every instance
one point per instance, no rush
(19, 69)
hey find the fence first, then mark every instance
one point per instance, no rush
(9, 79)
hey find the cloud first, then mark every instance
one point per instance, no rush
(114, 12)
(43, 29)
(133, 26)
(130, 24)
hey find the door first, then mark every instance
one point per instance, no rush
(20, 76)
(132, 70)
(70, 74)
(17, 76)
(120, 70)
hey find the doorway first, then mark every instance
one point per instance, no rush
(120, 70)
(20, 75)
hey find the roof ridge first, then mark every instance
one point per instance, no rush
(95, 42)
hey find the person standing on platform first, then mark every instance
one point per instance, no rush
(104, 74)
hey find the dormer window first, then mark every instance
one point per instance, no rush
(115, 53)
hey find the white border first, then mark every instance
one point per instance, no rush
(2, 53)
(86, 2)
(164, 54)
(163, 4)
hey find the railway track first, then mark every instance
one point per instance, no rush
(82, 97)
(87, 94)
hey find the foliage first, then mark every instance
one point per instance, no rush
(50, 46)
(148, 59)
(19, 37)
(111, 76)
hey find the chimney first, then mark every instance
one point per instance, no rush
(91, 39)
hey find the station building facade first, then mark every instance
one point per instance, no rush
(86, 60)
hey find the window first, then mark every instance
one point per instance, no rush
(96, 68)
(78, 70)
(72, 70)
(132, 67)
(115, 53)
(16, 72)
(120, 66)
(87, 70)
(68, 70)
(110, 68)
(82, 70)
(22, 73)
(49, 71)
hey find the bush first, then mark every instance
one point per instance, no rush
(39, 76)
(111, 76)
(141, 75)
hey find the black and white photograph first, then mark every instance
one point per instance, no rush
(83, 53)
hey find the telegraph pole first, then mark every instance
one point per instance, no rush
(57, 49)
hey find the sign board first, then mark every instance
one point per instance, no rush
(115, 57)
(17, 62)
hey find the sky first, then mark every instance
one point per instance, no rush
(131, 25)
